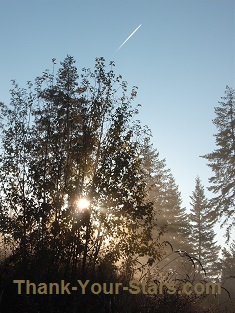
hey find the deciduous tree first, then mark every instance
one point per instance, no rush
(63, 141)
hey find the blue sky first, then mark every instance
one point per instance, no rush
(181, 58)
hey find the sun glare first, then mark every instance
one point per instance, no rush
(83, 204)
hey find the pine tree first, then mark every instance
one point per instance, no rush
(222, 162)
(227, 269)
(156, 175)
(202, 234)
(171, 218)
(228, 262)
(175, 217)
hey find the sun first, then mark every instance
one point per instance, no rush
(83, 204)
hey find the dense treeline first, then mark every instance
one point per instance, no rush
(84, 195)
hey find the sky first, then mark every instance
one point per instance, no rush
(181, 58)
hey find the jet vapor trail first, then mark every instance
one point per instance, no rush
(128, 38)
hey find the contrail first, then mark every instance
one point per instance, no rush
(128, 38)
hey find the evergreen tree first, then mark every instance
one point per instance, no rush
(228, 262)
(171, 218)
(227, 270)
(156, 176)
(222, 162)
(175, 216)
(202, 234)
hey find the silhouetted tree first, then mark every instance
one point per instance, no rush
(67, 140)
(16, 190)
(222, 161)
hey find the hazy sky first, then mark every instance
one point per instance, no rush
(181, 58)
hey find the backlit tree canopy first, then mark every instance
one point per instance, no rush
(66, 138)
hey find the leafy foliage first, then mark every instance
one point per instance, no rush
(63, 141)
(70, 137)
